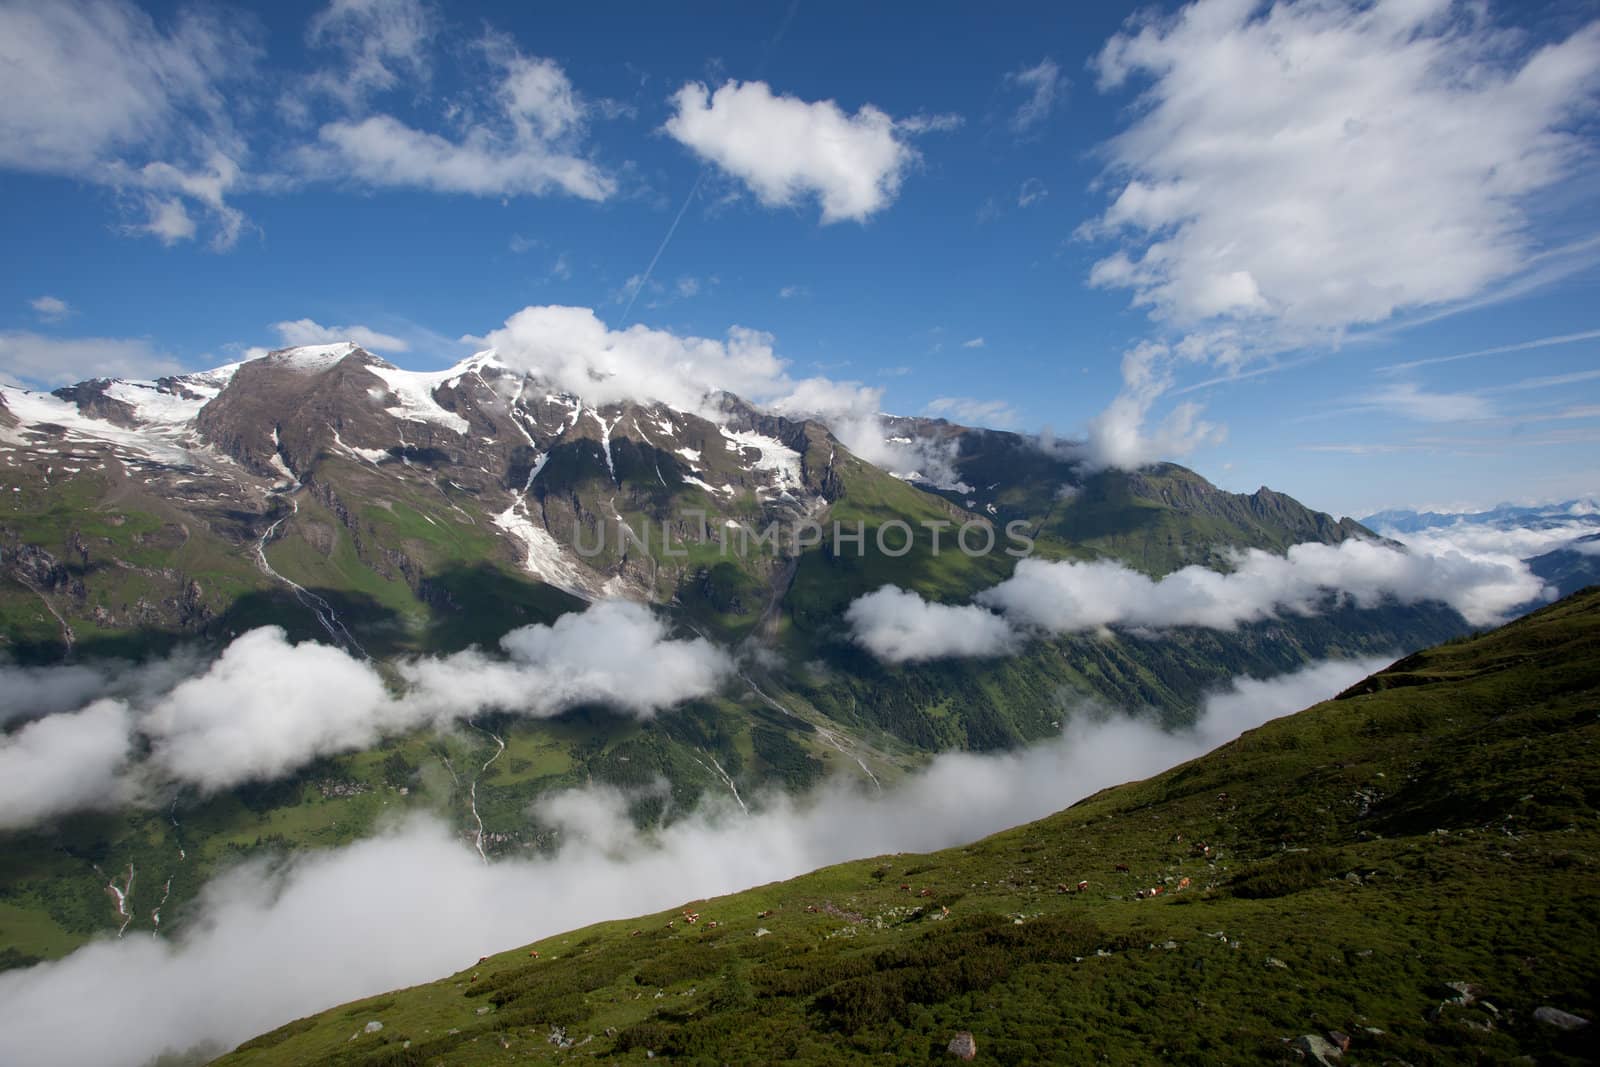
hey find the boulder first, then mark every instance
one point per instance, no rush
(1561, 1020)
(1318, 1050)
(963, 1046)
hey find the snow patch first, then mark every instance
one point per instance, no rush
(414, 390)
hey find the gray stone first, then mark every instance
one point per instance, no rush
(1561, 1020)
(1317, 1049)
(963, 1046)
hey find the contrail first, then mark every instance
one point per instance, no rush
(761, 68)
(644, 279)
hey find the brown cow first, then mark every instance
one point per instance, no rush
(1122, 868)
(533, 953)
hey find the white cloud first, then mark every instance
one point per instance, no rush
(50, 308)
(1246, 702)
(615, 653)
(378, 43)
(98, 91)
(789, 292)
(382, 150)
(62, 763)
(266, 707)
(786, 150)
(1326, 164)
(930, 123)
(309, 332)
(976, 342)
(1043, 83)
(53, 361)
(1410, 401)
(524, 137)
(1119, 437)
(899, 626)
(575, 350)
(1033, 190)
(330, 917)
(1067, 596)
(1071, 597)
(971, 412)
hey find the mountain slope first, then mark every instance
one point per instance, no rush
(1408, 866)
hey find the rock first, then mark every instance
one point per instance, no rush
(1561, 1020)
(373, 1027)
(1340, 1039)
(1170, 945)
(963, 1046)
(1273, 961)
(1465, 993)
(1317, 1049)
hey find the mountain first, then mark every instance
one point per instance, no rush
(398, 513)
(1404, 871)
(1570, 567)
(1506, 516)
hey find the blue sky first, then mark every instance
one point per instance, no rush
(978, 217)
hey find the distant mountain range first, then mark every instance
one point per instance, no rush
(1573, 565)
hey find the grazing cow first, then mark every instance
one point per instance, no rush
(636, 933)
(1183, 883)
(905, 887)
(1083, 886)
(944, 911)
(811, 909)
(1122, 868)
(712, 925)
(1061, 887)
(1222, 798)
(533, 953)
(483, 959)
(670, 922)
(764, 914)
(926, 893)
(1157, 890)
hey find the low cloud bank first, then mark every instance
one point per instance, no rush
(266, 707)
(416, 904)
(1067, 597)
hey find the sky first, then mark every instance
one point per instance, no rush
(1350, 252)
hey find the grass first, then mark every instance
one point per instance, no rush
(1345, 865)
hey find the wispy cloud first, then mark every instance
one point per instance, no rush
(1497, 350)
(50, 308)
(1043, 86)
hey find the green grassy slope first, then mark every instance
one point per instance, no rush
(1412, 864)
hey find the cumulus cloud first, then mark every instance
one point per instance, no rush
(99, 91)
(267, 707)
(785, 149)
(344, 921)
(899, 626)
(1120, 435)
(1066, 597)
(1325, 164)
(62, 763)
(616, 653)
(572, 348)
(1042, 83)
(310, 332)
(53, 361)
